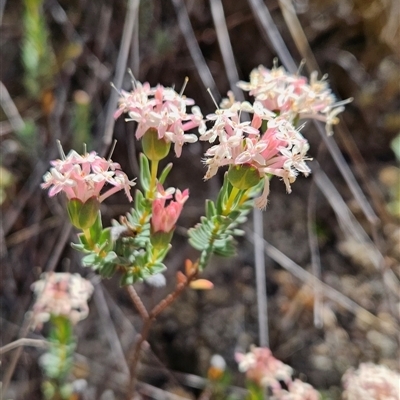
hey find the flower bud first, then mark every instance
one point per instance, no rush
(243, 176)
(155, 148)
(83, 215)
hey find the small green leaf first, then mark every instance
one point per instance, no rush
(157, 268)
(78, 246)
(107, 270)
(127, 280)
(89, 260)
(145, 176)
(210, 209)
(165, 173)
(96, 228)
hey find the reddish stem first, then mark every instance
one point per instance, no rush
(148, 319)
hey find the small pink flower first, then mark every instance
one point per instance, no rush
(165, 217)
(84, 176)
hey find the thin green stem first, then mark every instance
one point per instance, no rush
(232, 197)
(88, 237)
(154, 170)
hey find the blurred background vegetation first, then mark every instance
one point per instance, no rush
(58, 58)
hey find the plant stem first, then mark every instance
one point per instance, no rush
(147, 323)
(88, 237)
(137, 302)
(231, 200)
(154, 169)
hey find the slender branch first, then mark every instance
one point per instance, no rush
(148, 320)
(137, 302)
(136, 356)
(23, 342)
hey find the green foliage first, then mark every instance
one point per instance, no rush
(216, 230)
(255, 392)
(57, 362)
(125, 247)
(145, 176)
(37, 56)
(97, 244)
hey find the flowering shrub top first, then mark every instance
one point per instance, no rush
(269, 144)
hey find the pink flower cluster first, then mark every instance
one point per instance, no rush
(263, 369)
(163, 109)
(371, 382)
(84, 176)
(164, 217)
(269, 143)
(61, 294)
(293, 96)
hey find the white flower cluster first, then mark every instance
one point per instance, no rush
(293, 96)
(269, 143)
(84, 176)
(61, 294)
(263, 369)
(371, 382)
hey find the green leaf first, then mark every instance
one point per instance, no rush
(145, 176)
(90, 259)
(157, 268)
(78, 246)
(127, 280)
(165, 173)
(223, 194)
(111, 257)
(107, 270)
(210, 209)
(96, 228)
